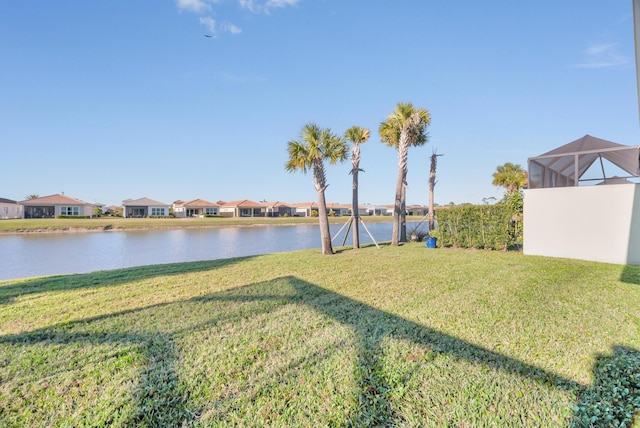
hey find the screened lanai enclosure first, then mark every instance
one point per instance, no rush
(583, 202)
(587, 160)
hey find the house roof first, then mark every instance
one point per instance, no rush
(330, 205)
(276, 204)
(304, 205)
(242, 203)
(56, 199)
(142, 202)
(197, 203)
(615, 180)
(7, 201)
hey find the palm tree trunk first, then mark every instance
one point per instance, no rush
(398, 205)
(325, 234)
(319, 181)
(355, 160)
(403, 210)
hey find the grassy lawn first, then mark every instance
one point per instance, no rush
(119, 223)
(375, 337)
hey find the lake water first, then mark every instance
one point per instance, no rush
(28, 255)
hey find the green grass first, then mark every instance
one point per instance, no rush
(375, 337)
(119, 223)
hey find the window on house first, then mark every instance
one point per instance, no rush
(210, 211)
(157, 211)
(69, 211)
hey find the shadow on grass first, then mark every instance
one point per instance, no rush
(107, 278)
(160, 398)
(630, 274)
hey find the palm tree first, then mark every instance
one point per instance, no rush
(510, 176)
(316, 146)
(356, 135)
(405, 126)
(32, 196)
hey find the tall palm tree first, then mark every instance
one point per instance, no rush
(405, 126)
(316, 146)
(356, 135)
(510, 176)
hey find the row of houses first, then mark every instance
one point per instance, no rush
(61, 205)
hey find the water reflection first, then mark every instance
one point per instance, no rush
(36, 255)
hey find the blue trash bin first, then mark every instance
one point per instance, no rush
(431, 242)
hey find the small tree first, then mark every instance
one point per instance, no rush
(510, 176)
(356, 136)
(405, 126)
(315, 146)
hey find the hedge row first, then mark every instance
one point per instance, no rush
(479, 226)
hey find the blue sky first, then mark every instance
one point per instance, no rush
(120, 99)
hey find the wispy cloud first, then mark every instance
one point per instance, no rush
(197, 6)
(204, 7)
(265, 6)
(230, 28)
(604, 55)
(215, 28)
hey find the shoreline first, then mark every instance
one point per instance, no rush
(67, 226)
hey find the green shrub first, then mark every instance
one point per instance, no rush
(479, 226)
(73, 216)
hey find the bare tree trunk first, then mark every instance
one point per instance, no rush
(432, 185)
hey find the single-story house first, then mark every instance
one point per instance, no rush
(307, 209)
(339, 209)
(10, 209)
(278, 209)
(243, 208)
(418, 210)
(380, 209)
(144, 207)
(304, 209)
(195, 208)
(56, 205)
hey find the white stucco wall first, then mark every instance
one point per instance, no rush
(598, 223)
(10, 211)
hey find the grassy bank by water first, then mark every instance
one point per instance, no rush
(397, 336)
(118, 223)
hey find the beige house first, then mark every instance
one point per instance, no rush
(243, 208)
(56, 205)
(10, 209)
(417, 210)
(195, 208)
(277, 209)
(307, 209)
(144, 207)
